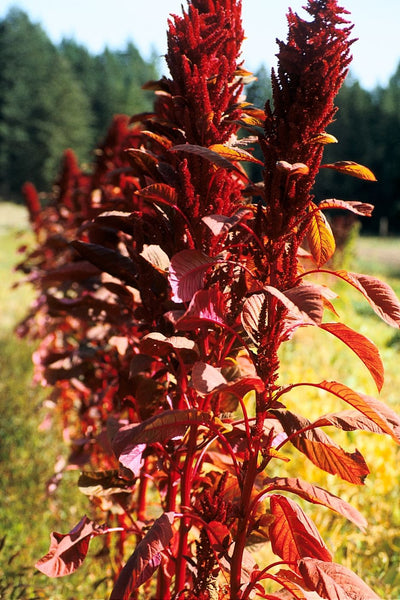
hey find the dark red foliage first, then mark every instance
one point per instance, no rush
(163, 297)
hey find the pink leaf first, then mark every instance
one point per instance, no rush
(358, 208)
(378, 293)
(220, 224)
(363, 348)
(333, 581)
(206, 305)
(206, 378)
(68, 551)
(186, 273)
(145, 559)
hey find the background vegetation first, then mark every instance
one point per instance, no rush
(87, 89)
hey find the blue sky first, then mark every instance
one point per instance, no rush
(97, 23)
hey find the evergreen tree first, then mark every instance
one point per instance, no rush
(42, 107)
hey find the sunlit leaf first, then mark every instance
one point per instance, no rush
(317, 495)
(186, 273)
(209, 155)
(103, 483)
(358, 208)
(156, 257)
(159, 192)
(351, 168)
(292, 169)
(234, 153)
(206, 378)
(321, 450)
(320, 238)
(68, 551)
(293, 535)
(324, 138)
(378, 293)
(145, 559)
(333, 581)
(362, 347)
(157, 344)
(160, 139)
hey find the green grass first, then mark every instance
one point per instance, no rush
(27, 456)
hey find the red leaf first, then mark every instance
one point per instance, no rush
(293, 535)
(68, 551)
(362, 346)
(359, 208)
(159, 192)
(317, 495)
(378, 293)
(158, 428)
(206, 306)
(145, 559)
(186, 273)
(321, 449)
(351, 168)
(333, 581)
(363, 403)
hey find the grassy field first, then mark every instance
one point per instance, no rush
(27, 456)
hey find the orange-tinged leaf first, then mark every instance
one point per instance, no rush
(234, 153)
(321, 449)
(378, 293)
(333, 581)
(159, 192)
(293, 535)
(160, 139)
(320, 238)
(317, 495)
(362, 346)
(210, 155)
(358, 208)
(292, 169)
(324, 138)
(361, 403)
(351, 168)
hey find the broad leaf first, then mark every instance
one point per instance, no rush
(206, 378)
(292, 169)
(358, 208)
(68, 551)
(103, 483)
(351, 168)
(206, 306)
(378, 293)
(321, 450)
(333, 581)
(324, 138)
(293, 535)
(234, 154)
(145, 559)
(186, 273)
(157, 344)
(320, 237)
(362, 346)
(156, 256)
(317, 495)
(366, 405)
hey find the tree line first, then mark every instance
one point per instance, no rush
(58, 96)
